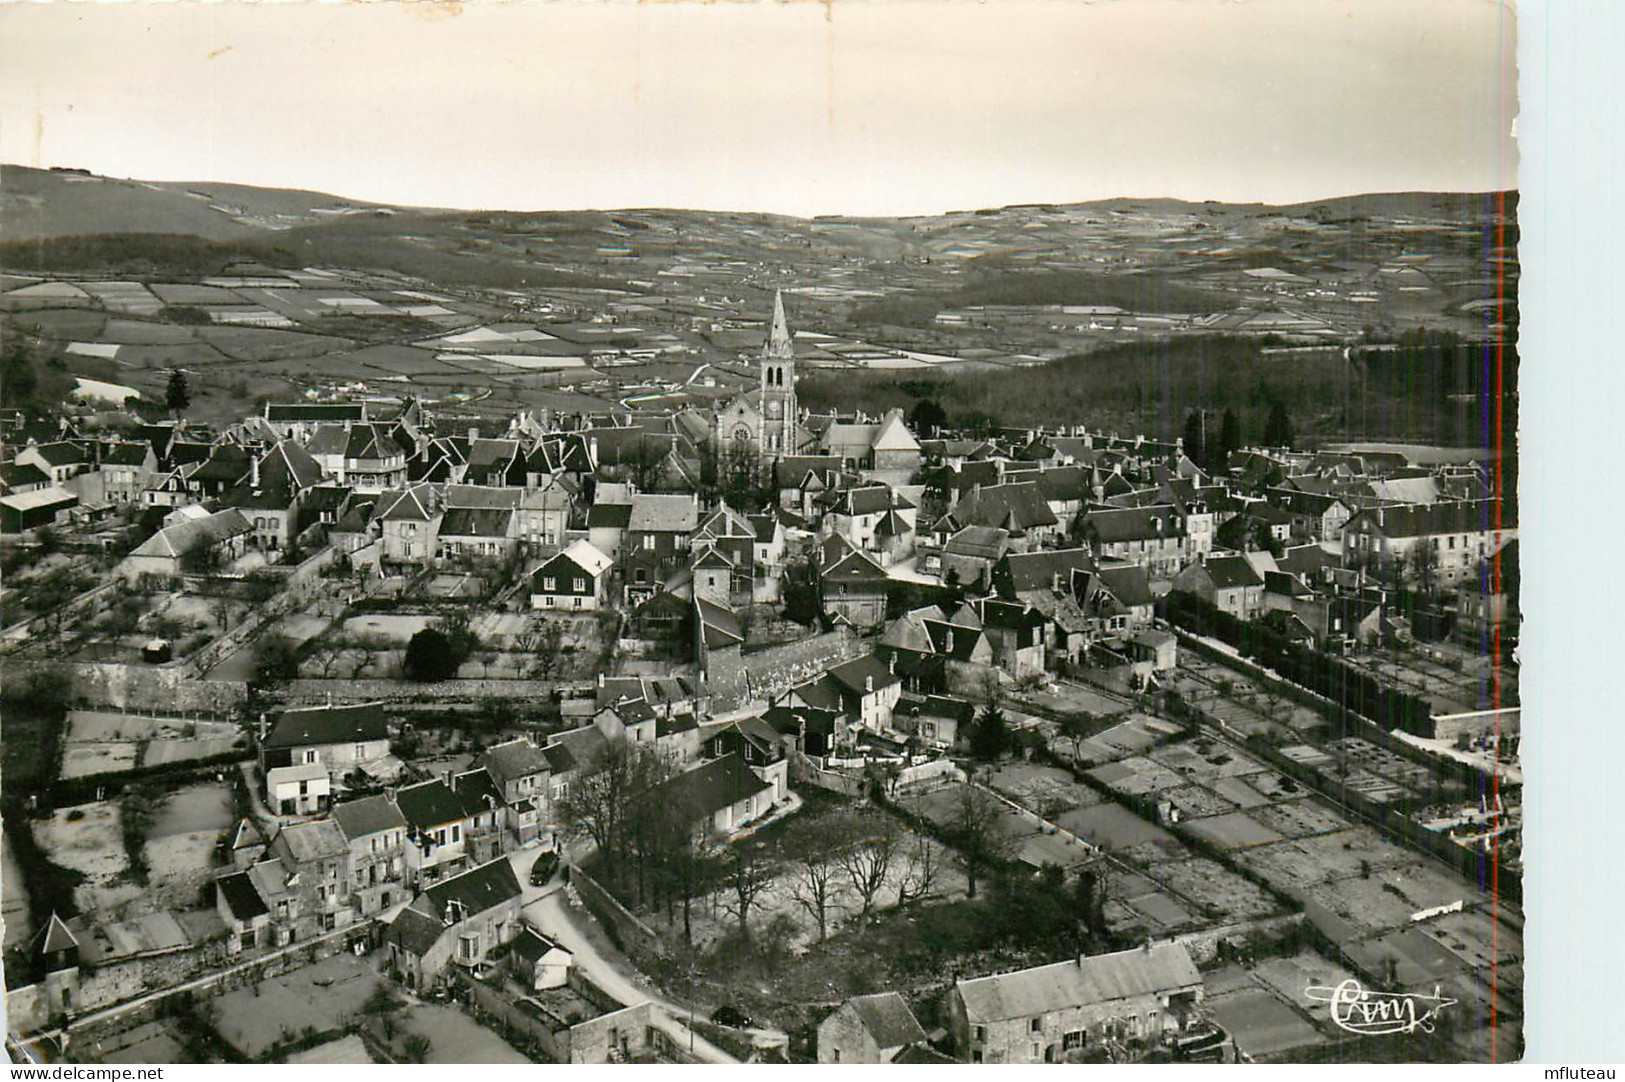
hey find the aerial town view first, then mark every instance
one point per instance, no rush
(1075, 632)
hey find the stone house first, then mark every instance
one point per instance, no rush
(376, 832)
(1049, 1013)
(458, 921)
(869, 1029)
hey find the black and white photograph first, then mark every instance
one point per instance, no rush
(859, 532)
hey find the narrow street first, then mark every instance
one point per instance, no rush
(548, 909)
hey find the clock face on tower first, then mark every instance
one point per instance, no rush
(773, 408)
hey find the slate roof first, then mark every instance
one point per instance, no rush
(1161, 969)
(1037, 570)
(712, 786)
(514, 759)
(855, 674)
(240, 896)
(1021, 503)
(888, 1019)
(369, 815)
(609, 516)
(1424, 521)
(61, 453)
(415, 932)
(789, 719)
(1111, 525)
(532, 945)
(958, 643)
(476, 522)
(657, 513)
(315, 411)
(1128, 583)
(26, 473)
(1231, 571)
(305, 726)
(429, 804)
(319, 839)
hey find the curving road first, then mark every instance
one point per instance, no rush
(548, 909)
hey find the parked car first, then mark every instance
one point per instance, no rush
(543, 869)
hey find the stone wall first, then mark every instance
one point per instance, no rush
(149, 688)
(1203, 944)
(734, 678)
(633, 936)
(345, 691)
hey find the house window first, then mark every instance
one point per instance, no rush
(549, 585)
(361, 751)
(649, 542)
(456, 834)
(310, 757)
(1036, 1025)
(979, 1033)
(1072, 1040)
(581, 586)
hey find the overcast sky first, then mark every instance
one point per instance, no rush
(849, 107)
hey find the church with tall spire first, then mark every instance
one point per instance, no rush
(764, 419)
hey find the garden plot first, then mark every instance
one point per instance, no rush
(1288, 977)
(1231, 832)
(177, 293)
(1261, 1024)
(1300, 819)
(130, 297)
(1327, 857)
(318, 997)
(1414, 960)
(1196, 802)
(397, 630)
(1373, 786)
(131, 332)
(86, 760)
(1112, 826)
(149, 1042)
(269, 343)
(1309, 756)
(186, 830)
(1164, 913)
(1136, 775)
(84, 839)
(1136, 734)
(1220, 894)
(449, 585)
(1044, 789)
(1369, 905)
(1239, 793)
(453, 1037)
(1275, 786)
(1205, 763)
(1475, 938)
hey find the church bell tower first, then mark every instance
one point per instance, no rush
(778, 387)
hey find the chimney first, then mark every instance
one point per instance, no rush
(868, 685)
(592, 449)
(473, 433)
(891, 664)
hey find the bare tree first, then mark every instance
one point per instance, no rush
(1077, 728)
(981, 844)
(815, 879)
(745, 875)
(922, 865)
(867, 864)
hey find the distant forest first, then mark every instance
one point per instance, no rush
(1426, 388)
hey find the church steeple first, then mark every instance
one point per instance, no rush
(779, 345)
(778, 395)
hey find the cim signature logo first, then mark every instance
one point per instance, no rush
(1368, 1013)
